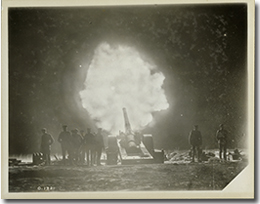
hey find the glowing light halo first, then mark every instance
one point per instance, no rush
(117, 77)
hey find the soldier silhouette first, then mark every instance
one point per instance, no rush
(195, 140)
(89, 143)
(77, 142)
(65, 141)
(222, 141)
(99, 145)
(46, 142)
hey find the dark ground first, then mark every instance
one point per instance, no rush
(213, 175)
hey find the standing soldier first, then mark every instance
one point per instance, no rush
(222, 141)
(65, 141)
(77, 142)
(47, 141)
(89, 147)
(195, 141)
(99, 145)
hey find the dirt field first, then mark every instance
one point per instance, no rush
(213, 175)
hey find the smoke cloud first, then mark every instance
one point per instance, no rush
(117, 77)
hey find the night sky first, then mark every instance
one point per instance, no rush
(201, 50)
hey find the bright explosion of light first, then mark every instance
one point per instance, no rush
(118, 77)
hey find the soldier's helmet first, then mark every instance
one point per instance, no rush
(44, 130)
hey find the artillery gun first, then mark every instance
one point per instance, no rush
(133, 147)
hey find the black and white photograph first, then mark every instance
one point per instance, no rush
(128, 98)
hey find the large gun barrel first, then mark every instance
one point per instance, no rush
(128, 129)
(129, 135)
(132, 147)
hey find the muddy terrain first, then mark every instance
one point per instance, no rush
(178, 173)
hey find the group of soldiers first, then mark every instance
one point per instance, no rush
(79, 147)
(88, 147)
(195, 140)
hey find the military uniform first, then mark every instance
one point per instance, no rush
(89, 143)
(99, 146)
(222, 142)
(66, 146)
(46, 142)
(77, 142)
(195, 140)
